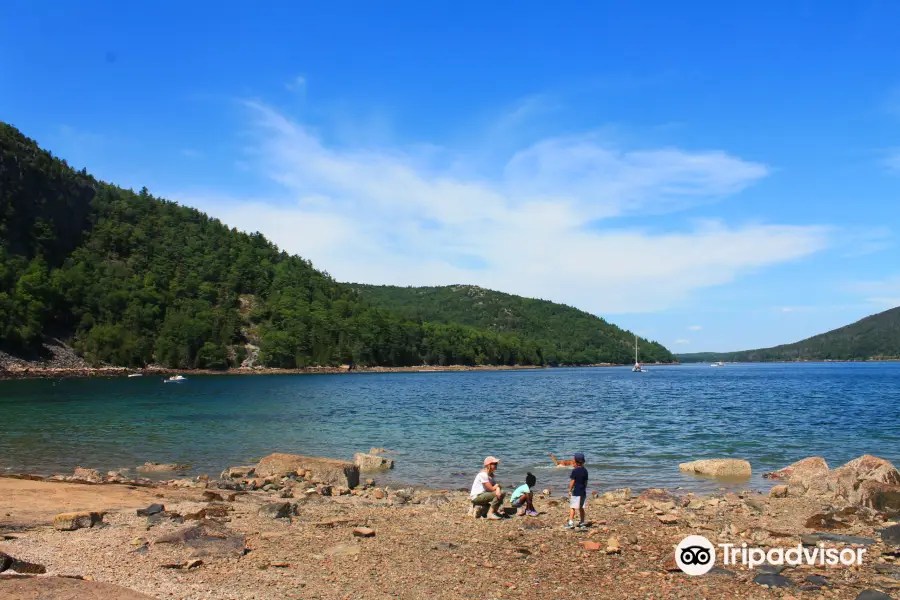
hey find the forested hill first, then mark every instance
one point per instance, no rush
(565, 334)
(129, 279)
(873, 338)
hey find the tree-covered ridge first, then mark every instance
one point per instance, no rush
(130, 279)
(565, 334)
(876, 337)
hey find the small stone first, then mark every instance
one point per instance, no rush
(546, 492)
(364, 532)
(276, 510)
(209, 496)
(779, 491)
(193, 564)
(379, 494)
(668, 519)
(612, 546)
(280, 565)
(593, 546)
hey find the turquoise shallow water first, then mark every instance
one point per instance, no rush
(634, 428)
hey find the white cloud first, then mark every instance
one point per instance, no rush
(682, 342)
(191, 153)
(536, 228)
(297, 84)
(695, 328)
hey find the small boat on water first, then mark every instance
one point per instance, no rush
(175, 379)
(637, 368)
(718, 364)
(130, 375)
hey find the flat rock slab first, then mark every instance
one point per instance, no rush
(891, 535)
(873, 595)
(76, 520)
(773, 580)
(63, 588)
(718, 467)
(206, 539)
(814, 538)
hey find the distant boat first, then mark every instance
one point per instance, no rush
(175, 379)
(637, 368)
(135, 375)
(718, 364)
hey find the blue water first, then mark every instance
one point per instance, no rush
(634, 428)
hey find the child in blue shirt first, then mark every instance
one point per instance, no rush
(577, 491)
(522, 497)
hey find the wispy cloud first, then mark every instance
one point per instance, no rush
(682, 342)
(538, 227)
(297, 84)
(695, 328)
(191, 153)
(881, 293)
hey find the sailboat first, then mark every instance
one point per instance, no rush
(637, 368)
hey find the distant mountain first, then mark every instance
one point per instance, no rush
(129, 279)
(565, 334)
(873, 338)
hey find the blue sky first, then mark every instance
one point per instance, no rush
(714, 177)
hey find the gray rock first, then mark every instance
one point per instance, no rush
(164, 517)
(150, 510)
(891, 535)
(886, 569)
(814, 538)
(276, 510)
(772, 569)
(817, 580)
(773, 580)
(873, 595)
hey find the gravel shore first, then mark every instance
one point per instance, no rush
(423, 544)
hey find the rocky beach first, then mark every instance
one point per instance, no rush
(302, 527)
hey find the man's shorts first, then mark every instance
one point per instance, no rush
(577, 501)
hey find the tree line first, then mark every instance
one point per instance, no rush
(130, 279)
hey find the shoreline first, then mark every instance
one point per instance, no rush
(40, 372)
(301, 536)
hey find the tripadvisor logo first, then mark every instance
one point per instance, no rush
(696, 555)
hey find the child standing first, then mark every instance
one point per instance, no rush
(578, 479)
(522, 497)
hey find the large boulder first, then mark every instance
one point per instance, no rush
(371, 462)
(879, 496)
(87, 475)
(718, 467)
(64, 588)
(807, 476)
(153, 467)
(845, 481)
(326, 470)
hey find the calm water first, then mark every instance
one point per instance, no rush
(634, 428)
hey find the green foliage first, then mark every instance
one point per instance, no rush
(131, 280)
(876, 337)
(557, 334)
